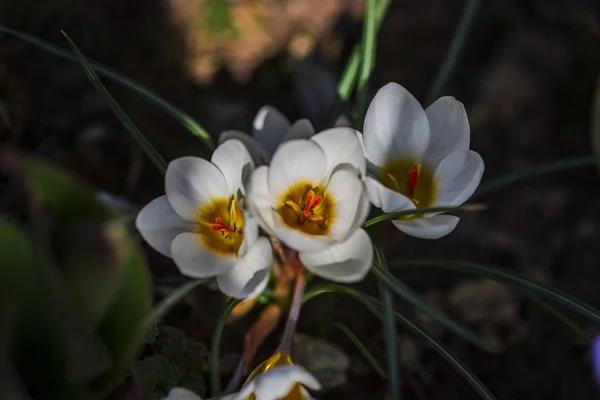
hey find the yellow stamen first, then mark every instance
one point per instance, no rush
(307, 208)
(221, 225)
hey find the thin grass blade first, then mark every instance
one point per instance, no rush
(374, 306)
(413, 298)
(371, 359)
(215, 379)
(449, 356)
(421, 211)
(494, 184)
(349, 77)
(511, 278)
(179, 115)
(389, 328)
(455, 50)
(146, 146)
(562, 317)
(531, 172)
(170, 301)
(368, 47)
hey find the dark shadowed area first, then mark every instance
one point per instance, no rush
(527, 77)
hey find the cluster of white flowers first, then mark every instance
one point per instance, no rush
(312, 192)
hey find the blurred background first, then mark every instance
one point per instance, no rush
(526, 76)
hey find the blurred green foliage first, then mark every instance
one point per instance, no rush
(74, 290)
(175, 361)
(218, 18)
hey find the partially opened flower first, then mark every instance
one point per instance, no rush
(277, 382)
(270, 129)
(313, 199)
(201, 222)
(419, 159)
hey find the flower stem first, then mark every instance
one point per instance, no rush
(290, 326)
(235, 380)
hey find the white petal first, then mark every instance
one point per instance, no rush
(261, 204)
(395, 126)
(458, 175)
(428, 228)
(342, 146)
(386, 199)
(294, 162)
(179, 393)
(277, 382)
(249, 277)
(342, 122)
(192, 182)
(302, 129)
(345, 262)
(269, 128)
(346, 190)
(159, 224)
(195, 260)
(250, 233)
(449, 127)
(259, 154)
(300, 241)
(371, 168)
(235, 163)
(364, 206)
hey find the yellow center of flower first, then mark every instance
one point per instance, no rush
(221, 225)
(307, 208)
(412, 179)
(276, 360)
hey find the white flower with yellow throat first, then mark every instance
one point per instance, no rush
(313, 199)
(203, 224)
(419, 159)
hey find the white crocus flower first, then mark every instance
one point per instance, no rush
(201, 222)
(285, 382)
(270, 129)
(419, 158)
(312, 198)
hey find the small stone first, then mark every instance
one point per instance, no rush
(484, 301)
(327, 362)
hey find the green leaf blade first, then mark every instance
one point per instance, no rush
(562, 317)
(374, 306)
(368, 47)
(183, 118)
(349, 78)
(413, 298)
(141, 140)
(215, 380)
(455, 50)
(366, 353)
(512, 278)
(449, 356)
(522, 174)
(389, 327)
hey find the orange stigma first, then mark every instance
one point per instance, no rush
(312, 202)
(413, 179)
(263, 160)
(220, 226)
